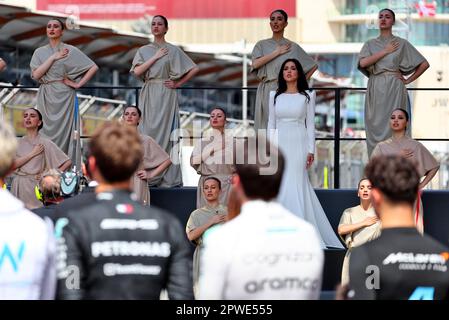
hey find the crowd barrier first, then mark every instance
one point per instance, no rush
(182, 201)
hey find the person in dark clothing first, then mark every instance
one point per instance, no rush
(50, 188)
(401, 263)
(116, 248)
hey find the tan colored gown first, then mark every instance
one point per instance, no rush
(422, 157)
(268, 73)
(159, 104)
(27, 176)
(386, 91)
(153, 156)
(55, 100)
(198, 218)
(351, 216)
(216, 165)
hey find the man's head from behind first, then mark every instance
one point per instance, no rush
(394, 179)
(259, 167)
(50, 186)
(8, 146)
(115, 152)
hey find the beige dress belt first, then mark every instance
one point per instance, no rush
(387, 73)
(51, 81)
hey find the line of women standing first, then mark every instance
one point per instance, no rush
(163, 67)
(61, 68)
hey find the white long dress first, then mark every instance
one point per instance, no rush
(293, 117)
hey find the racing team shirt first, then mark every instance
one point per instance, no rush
(264, 253)
(400, 264)
(27, 252)
(116, 248)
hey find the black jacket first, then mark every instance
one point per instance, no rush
(46, 211)
(119, 249)
(73, 203)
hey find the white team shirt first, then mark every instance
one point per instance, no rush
(264, 253)
(27, 252)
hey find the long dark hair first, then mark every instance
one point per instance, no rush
(301, 83)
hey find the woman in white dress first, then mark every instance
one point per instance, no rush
(291, 113)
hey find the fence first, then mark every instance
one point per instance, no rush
(340, 158)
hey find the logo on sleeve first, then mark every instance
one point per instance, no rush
(124, 208)
(418, 261)
(14, 259)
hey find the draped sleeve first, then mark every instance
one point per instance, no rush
(197, 149)
(255, 54)
(377, 151)
(197, 218)
(193, 222)
(154, 155)
(364, 53)
(346, 219)
(180, 63)
(36, 59)
(307, 62)
(54, 156)
(411, 58)
(77, 63)
(425, 159)
(137, 61)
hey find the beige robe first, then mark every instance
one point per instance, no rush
(215, 165)
(198, 218)
(159, 104)
(268, 74)
(423, 159)
(27, 177)
(153, 156)
(386, 91)
(351, 216)
(55, 100)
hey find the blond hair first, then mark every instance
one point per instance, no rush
(8, 147)
(51, 189)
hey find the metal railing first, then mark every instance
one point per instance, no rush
(338, 91)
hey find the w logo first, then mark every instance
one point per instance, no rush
(14, 260)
